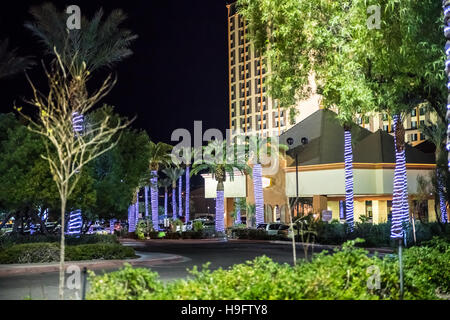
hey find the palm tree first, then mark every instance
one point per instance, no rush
(99, 43)
(10, 63)
(437, 134)
(165, 183)
(173, 174)
(190, 156)
(159, 156)
(400, 204)
(258, 148)
(220, 163)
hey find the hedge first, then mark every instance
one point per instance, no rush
(341, 275)
(12, 239)
(49, 252)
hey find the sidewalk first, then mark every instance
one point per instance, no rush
(145, 259)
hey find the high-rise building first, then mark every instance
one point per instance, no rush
(252, 111)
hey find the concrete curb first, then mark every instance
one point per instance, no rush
(146, 259)
(331, 247)
(200, 241)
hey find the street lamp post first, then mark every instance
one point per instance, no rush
(290, 142)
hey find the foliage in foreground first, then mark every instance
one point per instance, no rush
(49, 252)
(341, 275)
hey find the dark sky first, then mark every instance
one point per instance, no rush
(178, 72)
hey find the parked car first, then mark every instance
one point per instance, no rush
(271, 228)
(99, 230)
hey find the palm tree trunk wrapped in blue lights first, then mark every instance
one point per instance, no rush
(112, 222)
(136, 204)
(398, 197)
(259, 196)
(75, 216)
(75, 223)
(349, 191)
(238, 211)
(146, 200)
(166, 196)
(174, 203)
(442, 202)
(220, 210)
(446, 7)
(180, 196)
(154, 198)
(131, 219)
(188, 187)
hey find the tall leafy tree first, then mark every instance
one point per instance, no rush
(342, 73)
(278, 33)
(119, 171)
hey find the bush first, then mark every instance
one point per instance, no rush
(252, 234)
(172, 235)
(30, 253)
(428, 265)
(341, 275)
(103, 251)
(143, 229)
(192, 235)
(49, 252)
(377, 235)
(197, 226)
(11, 239)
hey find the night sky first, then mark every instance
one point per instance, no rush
(177, 74)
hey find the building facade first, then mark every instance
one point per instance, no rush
(320, 175)
(252, 111)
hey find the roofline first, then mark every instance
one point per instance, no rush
(341, 165)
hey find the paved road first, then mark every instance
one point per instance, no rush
(224, 254)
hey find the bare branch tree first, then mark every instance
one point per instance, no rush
(69, 149)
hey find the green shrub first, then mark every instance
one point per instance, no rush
(11, 239)
(192, 235)
(143, 229)
(125, 284)
(49, 252)
(30, 253)
(197, 226)
(341, 275)
(172, 235)
(252, 234)
(428, 265)
(104, 251)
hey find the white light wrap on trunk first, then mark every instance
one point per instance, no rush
(188, 187)
(154, 198)
(442, 202)
(75, 223)
(446, 7)
(349, 193)
(146, 200)
(180, 196)
(111, 225)
(399, 193)
(238, 211)
(220, 211)
(165, 204)
(258, 191)
(131, 219)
